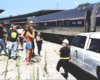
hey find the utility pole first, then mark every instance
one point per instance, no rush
(57, 4)
(76, 3)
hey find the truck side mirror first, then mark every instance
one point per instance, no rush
(81, 45)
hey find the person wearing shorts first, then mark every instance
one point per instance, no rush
(29, 38)
(33, 44)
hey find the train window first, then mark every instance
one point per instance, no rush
(96, 12)
(99, 11)
(95, 45)
(66, 23)
(83, 8)
(39, 24)
(35, 24)
(59, 23)
(45, 24)
(78, 9)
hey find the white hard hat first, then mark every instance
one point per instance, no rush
(65, 41)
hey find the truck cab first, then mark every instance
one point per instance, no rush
(85, 52)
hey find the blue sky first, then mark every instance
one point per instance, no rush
(15, 7)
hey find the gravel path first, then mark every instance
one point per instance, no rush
(28, 71)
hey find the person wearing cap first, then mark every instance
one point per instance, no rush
(64, 57)
(12, 37)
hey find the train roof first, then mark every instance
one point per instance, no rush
(37, 13)
(60, 15)
(87, 8)
(72, 13)
(1, 10)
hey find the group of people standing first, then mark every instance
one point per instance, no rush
(24, 36)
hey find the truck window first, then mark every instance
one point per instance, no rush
(82, 42)
(76, 41)
(79, 41)
(95, 45)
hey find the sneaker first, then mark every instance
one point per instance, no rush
(9, 57)
(40, 56)
(14, 58)
(6, 54)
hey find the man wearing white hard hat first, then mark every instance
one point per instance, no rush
(64, 57)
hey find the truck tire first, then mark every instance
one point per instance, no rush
(98, 72)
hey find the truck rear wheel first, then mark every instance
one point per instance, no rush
(98, 72)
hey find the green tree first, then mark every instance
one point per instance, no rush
(82, 5)
(10, 15)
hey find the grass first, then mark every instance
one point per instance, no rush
(6, 69)
(32, 76)
(33, 72)
(17, 65)
(18, 70)
(45, 65)
(37, 73)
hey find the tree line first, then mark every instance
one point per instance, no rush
(83, 4)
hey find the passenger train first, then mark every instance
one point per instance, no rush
(70, 22)
(63, 24)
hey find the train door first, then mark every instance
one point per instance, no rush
(94, 17)
(87, 21)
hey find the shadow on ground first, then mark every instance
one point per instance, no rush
(79, 74)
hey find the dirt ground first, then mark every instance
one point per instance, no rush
(42, 68)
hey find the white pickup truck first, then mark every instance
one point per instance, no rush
(85, 52)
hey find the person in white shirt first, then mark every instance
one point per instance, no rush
(11, 26)
(20, 30)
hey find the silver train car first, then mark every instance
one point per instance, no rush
(70, 22)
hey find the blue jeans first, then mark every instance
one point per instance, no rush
(12, 46)
(29, 45)
(3, 46)
(39, 48)
(24, 51)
